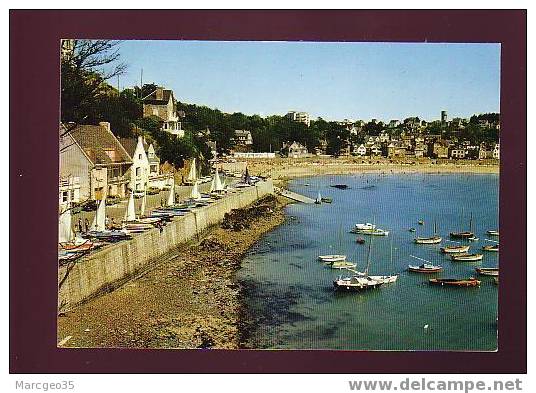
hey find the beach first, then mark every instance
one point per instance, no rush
(280, 169)
(189, 300)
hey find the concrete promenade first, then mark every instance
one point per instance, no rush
(105, 269)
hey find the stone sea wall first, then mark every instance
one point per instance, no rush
(105, 269)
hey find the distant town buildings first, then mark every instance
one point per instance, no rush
(443, 117)
(161, 103)
(243, 137)
(300, 117)
(297, 150)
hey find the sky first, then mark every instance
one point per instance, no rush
(331, 80)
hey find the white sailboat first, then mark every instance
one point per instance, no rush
(130, 213)
(99, 221)
(171, 196)
(66, 233)
(218, 186)
(192, 175)
(212, 187)
(195, 195)
(143, 204)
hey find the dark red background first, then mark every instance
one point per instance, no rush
(34, 116)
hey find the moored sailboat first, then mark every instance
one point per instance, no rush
(426, 267)
(466, 257)
(435, 239)
(460, 249)
(465, 235)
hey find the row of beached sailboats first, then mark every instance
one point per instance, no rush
(72, 246)
(359, 281)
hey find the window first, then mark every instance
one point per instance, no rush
(138, 171)
(139, 156)
(65, 196)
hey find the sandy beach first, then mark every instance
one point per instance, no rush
(287, 168)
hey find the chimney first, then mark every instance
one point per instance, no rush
(159, 93)
(105, 124)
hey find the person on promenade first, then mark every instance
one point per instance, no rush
(87, 224)
(80, 228)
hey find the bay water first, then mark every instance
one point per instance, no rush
(290, 296)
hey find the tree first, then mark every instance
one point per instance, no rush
(84, 72)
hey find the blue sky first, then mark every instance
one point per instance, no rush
(331, 80)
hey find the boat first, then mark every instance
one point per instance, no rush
(192, 174)
(326, 199)
(465, 235)
(420, 222)
(492, 232)
(340, 186)
(67, 239)
(318, 199)
(342, 265)
(428, 240)
(466, 257)
(455, 282)
(493, 248)
(412, 230)
(332, 258)
(488, 271)
(356, 283)
(361, 281)
(371, 232)
(473, 239)
(360, 240)
(195, 195)
(426, 267)
(435, 239)
(455, 249)
(367, 226)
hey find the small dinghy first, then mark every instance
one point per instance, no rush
(492, 232)
(332, 258)
(342, 265)
(492, 248)
(340, 186)
(488, 271)
(455, 282)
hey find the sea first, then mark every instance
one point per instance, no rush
(289, 293)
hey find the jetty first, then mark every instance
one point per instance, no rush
(293, 195)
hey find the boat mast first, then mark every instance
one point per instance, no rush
(471, 223)
(368, 255)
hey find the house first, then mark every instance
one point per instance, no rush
(374, 150)
(484, 151)
(360, 150)
(299, 117)
(297, 150)
(394, 123)
(69, 191)
(161, 103)
(419, 150)
(457, 152)
(93, 154)
(497, 151)
(396, 149)
(438, 149)
(243, 138)
(145, 170)
(384, 137)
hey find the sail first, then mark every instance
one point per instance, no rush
(318, 197)
(195, 192)
(224, 185)
(171, 196)
(65, 229)
(212, 188)
(99, 221)
(217, 182)
(143, 204)
(130, 214)
(192, 175)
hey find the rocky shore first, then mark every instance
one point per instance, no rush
(189, 300)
